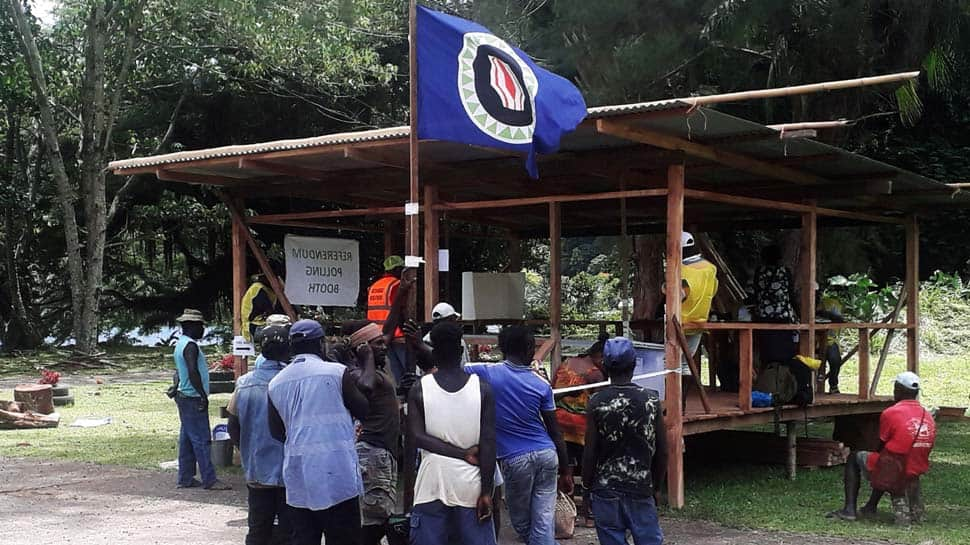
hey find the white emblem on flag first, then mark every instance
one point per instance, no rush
(507, 87)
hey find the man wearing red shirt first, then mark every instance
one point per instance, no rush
(905, 429)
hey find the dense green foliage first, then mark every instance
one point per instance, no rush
(241, 71)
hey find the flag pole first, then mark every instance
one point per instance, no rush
(413, 221)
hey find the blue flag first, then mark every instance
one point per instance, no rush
(475, 88)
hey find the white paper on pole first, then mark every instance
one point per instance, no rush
(443, 260)
(411, 208)
(413, 261)
(322, 271)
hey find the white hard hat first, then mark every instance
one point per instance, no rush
(686, 239)
(443, 310)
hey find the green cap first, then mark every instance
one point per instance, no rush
(393, 262)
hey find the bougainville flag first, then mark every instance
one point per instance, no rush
(475, 88)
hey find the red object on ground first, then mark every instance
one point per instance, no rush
(227, 362)
(49, 377)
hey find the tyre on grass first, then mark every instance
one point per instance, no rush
(64, 401)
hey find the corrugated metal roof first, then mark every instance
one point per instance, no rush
(391, 133)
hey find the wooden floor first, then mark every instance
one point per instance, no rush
(727, 415)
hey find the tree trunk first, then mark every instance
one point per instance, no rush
(66, 193)
(649, 255)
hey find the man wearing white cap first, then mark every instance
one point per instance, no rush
(907, 433)
(444, 312)
(698, 287)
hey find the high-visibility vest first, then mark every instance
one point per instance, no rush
(380, 297)
(247, 307)
(701, 278)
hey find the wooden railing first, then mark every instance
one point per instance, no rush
(746, 349)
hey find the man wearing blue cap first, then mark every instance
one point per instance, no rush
(626, 452)
(312, 406)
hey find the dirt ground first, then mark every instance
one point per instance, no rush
(56, 503)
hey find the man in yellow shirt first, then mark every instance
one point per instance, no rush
(698, 287)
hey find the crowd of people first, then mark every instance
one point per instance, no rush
(325, 429)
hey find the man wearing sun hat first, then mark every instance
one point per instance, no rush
(192, 400)
(907, 433)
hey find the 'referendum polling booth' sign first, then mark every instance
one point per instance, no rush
(322, 271)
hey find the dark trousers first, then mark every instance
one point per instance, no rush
(833, 357)
(265, 506)
(340, 524)
(194, 441)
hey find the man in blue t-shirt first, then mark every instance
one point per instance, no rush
(530, 449)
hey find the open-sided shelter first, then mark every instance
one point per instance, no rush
(665, 164)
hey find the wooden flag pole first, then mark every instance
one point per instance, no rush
(412, 221)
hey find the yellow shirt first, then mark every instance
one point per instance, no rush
(701, 279)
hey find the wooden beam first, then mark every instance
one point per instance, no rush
(238, 289)
(200, 179)
(694, 370)
(377, 157)
(285, 170)
(912, 295)
(864, 364)
(799, 89)
(431, 237)
(322, 214)
(808, 261)
(236, 211)
(754, 202)
(735, 160)
(555, 282)
(672, 353)
(533, 201)
(746, 369)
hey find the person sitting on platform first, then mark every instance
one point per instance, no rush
(907, 433)
(626, 452)
(830, 309)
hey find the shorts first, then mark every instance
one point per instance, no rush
(862, 460)
(378, 470)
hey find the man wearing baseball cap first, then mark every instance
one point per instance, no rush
(907, 433)
(311, 410)
(262, 454)
(441, 313)
(626, 452)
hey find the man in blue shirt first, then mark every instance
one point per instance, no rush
(530, 448)
(192, 399)
(311, 405)
(262, 454)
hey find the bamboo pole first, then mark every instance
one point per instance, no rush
(800, 89)
(810, 125)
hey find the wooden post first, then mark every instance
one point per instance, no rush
(391, 228)
(515, 254)
(912, 295)
(672, 353)
(431, 238)
(807, 264)
(746, 369)
(412, 241)
(238, 288)
(864, 363)
(555, 283)
(791, 460)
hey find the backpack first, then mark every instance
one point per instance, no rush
(778, 380)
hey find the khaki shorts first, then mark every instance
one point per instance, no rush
(378, 469)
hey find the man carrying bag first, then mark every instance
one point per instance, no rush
(907, 433)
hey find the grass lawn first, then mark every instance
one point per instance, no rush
(143, 433)
(145, 429)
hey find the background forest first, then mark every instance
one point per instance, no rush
(83, 252)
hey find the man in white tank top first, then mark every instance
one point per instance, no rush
(451, 418)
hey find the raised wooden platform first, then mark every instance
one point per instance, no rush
(726, 414)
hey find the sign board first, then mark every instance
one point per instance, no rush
(492, 296)
(242, 347)
(322, 271)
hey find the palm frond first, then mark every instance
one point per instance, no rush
(909, 104)
(722, 15)
(939, 65)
